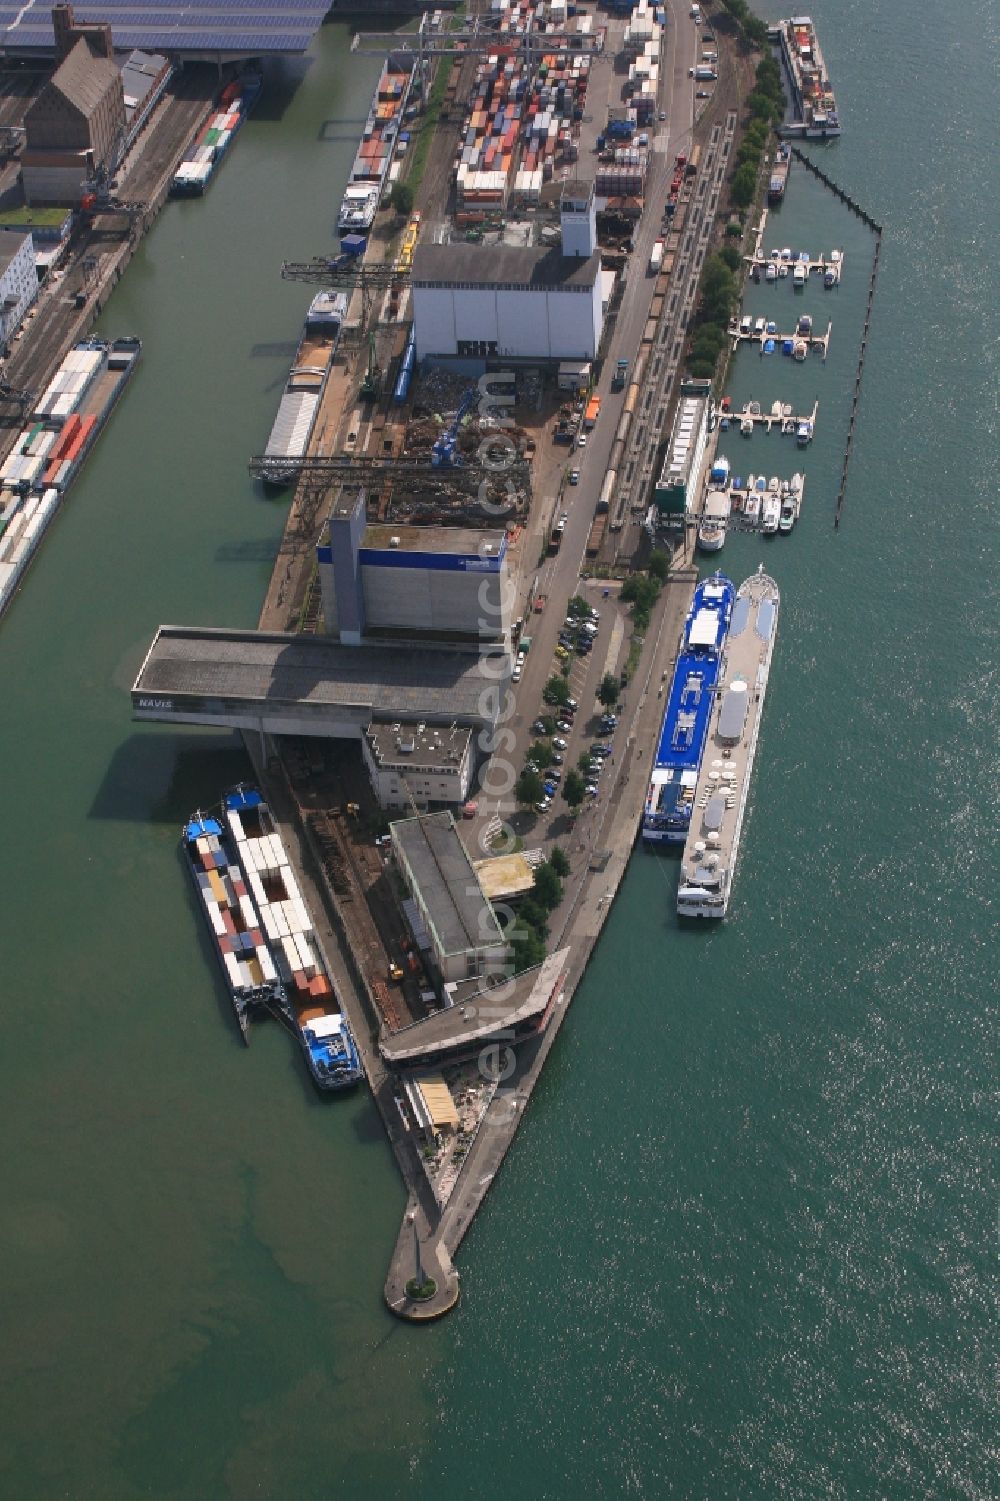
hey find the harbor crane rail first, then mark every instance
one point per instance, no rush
(476, 36)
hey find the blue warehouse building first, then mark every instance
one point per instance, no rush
(444, 584)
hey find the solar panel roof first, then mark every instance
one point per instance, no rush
(247, 27)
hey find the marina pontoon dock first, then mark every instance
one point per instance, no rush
(785, 256)
(779, 415)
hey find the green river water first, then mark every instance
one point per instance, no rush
(745, 1246)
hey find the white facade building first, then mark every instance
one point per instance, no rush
(513, 301)
(418, 764)
(18, 281)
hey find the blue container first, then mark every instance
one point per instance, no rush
(354, 244)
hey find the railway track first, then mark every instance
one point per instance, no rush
(662, 356)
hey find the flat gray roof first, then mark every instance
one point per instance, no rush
(419, 747)
(273, 669)
(492, 1012)
(493, 265)
(11, 241)
(460, 540)
(447, 884)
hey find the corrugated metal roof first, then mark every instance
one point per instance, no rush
(83, 79)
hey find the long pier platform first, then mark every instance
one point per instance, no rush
(760, 336)
(779, 415)
(757, 260)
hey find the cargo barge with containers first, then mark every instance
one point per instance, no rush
(48, 453)
(300, 402)
(379, 141)
(215, 138)
(708, 864)
(263, 935)
(813, 101)
(670, 798)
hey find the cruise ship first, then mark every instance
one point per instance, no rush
(812, 93)
(378, 146)
(708, 864)
(670, 797)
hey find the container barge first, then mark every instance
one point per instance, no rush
(670, 797)
(708, 864)
(263, 935)
(48, 454)
(812, 93)
(363, 193)
(215, 138)
(300, 402)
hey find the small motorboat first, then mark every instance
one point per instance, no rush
(751, 508)
(799, 350)
(769, 346)
(746, 425)
(786, 516)
(770, 514)
(795, 484)
(775, 408)
(723, 424)
(786, 254)
(803, 433)
(760, 326)
(774, 485)
(746, 324)
(753, 407)
(783, 269)
(805, 324)
(799, 274)
(771, 273)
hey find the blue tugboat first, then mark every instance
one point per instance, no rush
(670, 797)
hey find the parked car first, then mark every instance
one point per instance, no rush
(584, 647)
(564, 726)
(559, 743)
(590, 628)
(600, 750)
(557, 760)
(591, 789)
(574, 476)
(572, 705)
(515, 676)
(550, 788)
(565, 639)
(544, 805)
(581, 441)
(538, 728)
(562, 653)
(553, 774)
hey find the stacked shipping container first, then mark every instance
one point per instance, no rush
(508, 109)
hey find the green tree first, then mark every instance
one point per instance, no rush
(582, 765)
(402, 199)
(529, 789)
(540, 755)
(702, 369)
(548, 889)
(532, 914)
(731, 256)
(573, 789)
(529, 948)
(548, 724)
(556, 690)
(559, 862)
(578, 606)
(608, 690)
(659, 566)
(743, 187)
